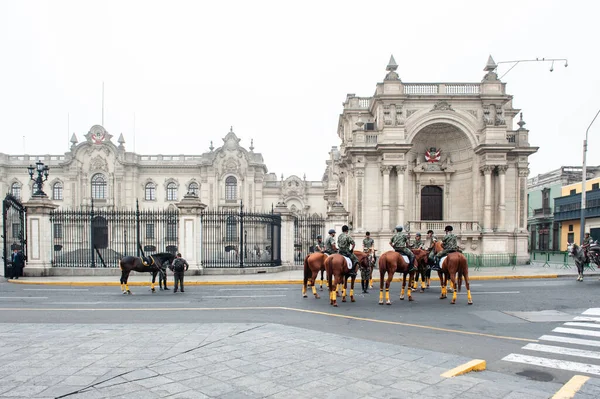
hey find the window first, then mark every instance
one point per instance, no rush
(193, 188)
(171, 192)
(573, 192)
(98, 186)
(171, 230)
(546, 198)
(570, 227)
(58, 231)
(15, 190)
(16, 231)
(57, 191)
(231, 188)
(595, 186)
(150, 231)
(150, 190)
(571, 237)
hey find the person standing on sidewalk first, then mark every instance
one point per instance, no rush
(162, 278)
(179, 267)
(17, 263)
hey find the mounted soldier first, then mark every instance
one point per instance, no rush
(319, 245)
(330, 247)
(449, 243)
(399, 242)
(418, 243)
(346, 248)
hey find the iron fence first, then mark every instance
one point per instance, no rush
(490, 260)
(101, 237)
(14, 234)
(234, 238)
(306, 230)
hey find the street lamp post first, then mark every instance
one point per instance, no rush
(42, 175)
(583, 179)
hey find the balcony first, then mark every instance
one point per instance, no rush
(438, 226)
(541, 213)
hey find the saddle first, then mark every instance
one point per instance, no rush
(147, 260)
(348, 262)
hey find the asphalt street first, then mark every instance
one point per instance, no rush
(510, 324)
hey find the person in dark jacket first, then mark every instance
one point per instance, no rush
(17, 263)
(162, 278)
(179, 267)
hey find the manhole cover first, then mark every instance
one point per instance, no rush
(536, 375)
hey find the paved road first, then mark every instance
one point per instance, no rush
(519, 327)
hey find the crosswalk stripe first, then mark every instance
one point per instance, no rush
(592, 312)
(569, 340)
(593, 325)
(559, 350)
(577, 331)
(553, 363)
(585, 318)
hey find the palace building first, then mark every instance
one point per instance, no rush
(421, 155)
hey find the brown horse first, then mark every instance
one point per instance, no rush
(155, 264)
(337, 273)
(313, 263)
(455, 263)
(421, 257)
(391, 262)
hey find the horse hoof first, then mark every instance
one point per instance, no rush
(344, 299)
(410, 299)
(352, 299)
(335, 305)
(401, 298)
(304, 296)
(321, 288)
(317, 296)
(388, 303)
(124, 292)
(422, 290)
(453, 302)
(128, 292)
(381, 302)
(470, 303)
(371, 286)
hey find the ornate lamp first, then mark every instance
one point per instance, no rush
(42, 175)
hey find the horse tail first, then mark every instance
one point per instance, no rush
(329, 270)
(462, 268)
(306, 270)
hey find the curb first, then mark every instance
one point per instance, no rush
(571, 388)
(272, 282)
(473, 365)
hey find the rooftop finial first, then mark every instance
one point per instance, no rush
(521, 122)
(211, 146)
(251, 144)
(231, 129)
(391, 68)
(121, 139)
(74, 139)
(491, 64)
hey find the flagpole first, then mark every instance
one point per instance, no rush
(102, 103)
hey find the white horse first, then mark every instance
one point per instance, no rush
(578, 255)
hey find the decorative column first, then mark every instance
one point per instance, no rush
(487, 198)
(39, 236)
(400, 169)
(287, 233)
(359, 176)
(385, 195)
(523, 173)
(502, 206)
(191, 244)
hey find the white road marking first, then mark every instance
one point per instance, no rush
(562, 351)
(241, 296)
(577, 331)
(55, 289)
(592, 312)
(553, 363)
(122, 302)
(253, 289)
(575, 324)
(23, 297)
(569, 340)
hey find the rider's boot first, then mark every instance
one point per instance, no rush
(352, 272)
(436, 264)
(411, 259)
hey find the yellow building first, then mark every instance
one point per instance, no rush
(568, 211)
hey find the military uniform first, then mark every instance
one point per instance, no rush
(318, 246)
(450, 245)
(368, 243)
(345, 243)
(418, 244)
(329, 243)
(398, 242)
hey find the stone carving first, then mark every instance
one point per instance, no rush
(523, 172)
(293, 186)
(99, 163)
(400, 168)
(501, 169)
(399, 117)
(442, 106)
(385, 169)
(387, 117)
(98, 135)
(486, 169)
(472, 112)
(410, 112)
(391, 68)
(492, 115)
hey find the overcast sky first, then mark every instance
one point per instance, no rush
(279, 71)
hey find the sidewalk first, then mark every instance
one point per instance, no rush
(536, 271)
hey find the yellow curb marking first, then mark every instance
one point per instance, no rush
(473, 365)
(396, 323)
(571, 387)
(252, 282)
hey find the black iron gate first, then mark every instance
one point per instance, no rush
(14, 233)
(306, 230)
(101, 237)
(234, 238)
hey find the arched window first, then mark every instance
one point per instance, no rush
(231, 188)
(98, 186)
(193, 188)
(15, 190)
(172, 192)
(150, 190)
(57, 191)
(231, 229)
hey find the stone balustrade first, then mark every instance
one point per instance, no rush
(422, 226)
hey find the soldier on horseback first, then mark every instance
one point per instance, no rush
(319, 246)
(346, 248)
(449, 243)
(418, 244)
(330, 247)
(399, 242)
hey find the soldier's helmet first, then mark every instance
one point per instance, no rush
(319, 236)
(448, 228)
(418, 235)
(587, 233)
(331, 231)
(399, 228)
(344, 228)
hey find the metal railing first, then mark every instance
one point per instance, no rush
(306, 230)
(491, 260)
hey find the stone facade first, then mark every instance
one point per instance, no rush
(422, 155)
